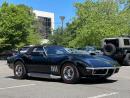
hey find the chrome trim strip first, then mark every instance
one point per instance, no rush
(41, 75)
(102, 68)
(55, 77)
(45, 50)
(114, 71)
(107, 71)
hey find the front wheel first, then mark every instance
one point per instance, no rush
(70, 73)
(19, 70)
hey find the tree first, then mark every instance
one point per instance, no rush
(17, 25)
(56, 38)
(95, 20)
(62, 37)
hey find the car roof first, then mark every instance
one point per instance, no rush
(44, 45)
(47, 45)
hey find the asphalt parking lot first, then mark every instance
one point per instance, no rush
(117, 86)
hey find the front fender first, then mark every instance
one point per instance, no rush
(79, 64)
(19, 59)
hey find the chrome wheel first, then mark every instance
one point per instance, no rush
(68, 73)
(19, 70)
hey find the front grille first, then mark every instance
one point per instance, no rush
(99, 71)
(110, 71)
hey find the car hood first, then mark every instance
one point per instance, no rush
(96, 60)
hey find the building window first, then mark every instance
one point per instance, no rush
(45, 26)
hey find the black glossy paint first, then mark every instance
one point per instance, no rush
(45, 60)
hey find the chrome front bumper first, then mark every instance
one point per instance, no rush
(103, 70)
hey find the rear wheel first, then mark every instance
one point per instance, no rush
(70, 73)
(19, 70)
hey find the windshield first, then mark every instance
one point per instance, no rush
(90, 49)
(75, 51)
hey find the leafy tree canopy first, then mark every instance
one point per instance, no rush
(17, 26)
(95, 20)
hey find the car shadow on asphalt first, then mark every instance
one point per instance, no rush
(90, 81)
(85, 81)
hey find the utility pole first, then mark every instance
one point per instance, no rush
(62, 22)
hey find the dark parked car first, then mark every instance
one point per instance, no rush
(6, 53)
(54, 61)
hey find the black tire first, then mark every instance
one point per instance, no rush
(19, 70)
(109, 49)
(126, 61)
(70, 73)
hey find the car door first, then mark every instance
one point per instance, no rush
(55, 56)
(38, 61)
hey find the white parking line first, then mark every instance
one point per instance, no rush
(17, 86)
(3, 66)
(104, 95)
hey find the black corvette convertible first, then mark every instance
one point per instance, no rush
(54, 61)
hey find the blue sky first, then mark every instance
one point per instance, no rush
(58, 7)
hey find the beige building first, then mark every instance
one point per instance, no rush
(46, 23)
